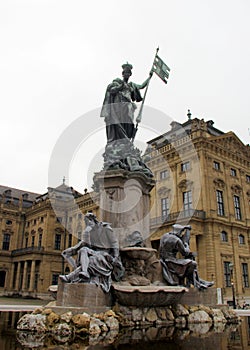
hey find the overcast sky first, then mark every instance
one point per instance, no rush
(58, 56)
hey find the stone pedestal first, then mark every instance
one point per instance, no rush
(206, 297)
(125, 201)
(83, 295)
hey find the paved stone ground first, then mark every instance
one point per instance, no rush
(20, 304)
(241, 312)
(21, 301)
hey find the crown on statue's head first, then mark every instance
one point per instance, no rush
(127, 66)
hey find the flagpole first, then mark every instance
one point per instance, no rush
(139, 116)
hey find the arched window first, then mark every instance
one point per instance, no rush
(241, 239)
(224, 236)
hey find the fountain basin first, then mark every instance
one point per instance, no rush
(140, 253)
(147, 295)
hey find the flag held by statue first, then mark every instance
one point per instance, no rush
(161, 69)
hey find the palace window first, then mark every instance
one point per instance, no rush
(59, 219)
(79, 236)
(187, 200)
(248, 178)
(216, 165)
(227, 274)
(220, 203)
(55, 278)
(26, 241)
(79, 216)
(237, 207)
(233, 172)
(70, 240)
(40, 240)
(164, 207)
(224, 236)
(164, 174)
(2, 278)
(32, 241)
(241, 239)
(6, 241)
(57, 241)
(185, 166)
(245, 275)
(8, 222)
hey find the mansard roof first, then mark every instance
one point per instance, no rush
(17, 193)
(14, 196)
(179, 130)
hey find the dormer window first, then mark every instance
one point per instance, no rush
(7, 192)
(25, 196)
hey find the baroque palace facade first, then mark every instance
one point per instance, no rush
(202, 179)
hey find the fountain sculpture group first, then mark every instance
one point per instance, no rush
(117, 278)
(115, 260)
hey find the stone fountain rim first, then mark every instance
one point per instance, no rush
(126, 249)
(149, 289)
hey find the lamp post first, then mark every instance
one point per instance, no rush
(231, 265)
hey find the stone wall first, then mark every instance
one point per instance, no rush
(206, 297)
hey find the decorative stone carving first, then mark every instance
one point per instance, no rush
(236, 189)
(185, 184)
(219, 183)
(163, 191)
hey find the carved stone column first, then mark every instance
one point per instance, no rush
(17, 283)
(125, 201)
(24, 275)
(32, 276)
(12, 281)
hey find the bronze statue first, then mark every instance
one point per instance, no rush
(118, 106)
(97, 256)
(179, 271)
(118, 112)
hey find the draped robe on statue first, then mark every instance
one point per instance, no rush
(118, 109)
(97, 257)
